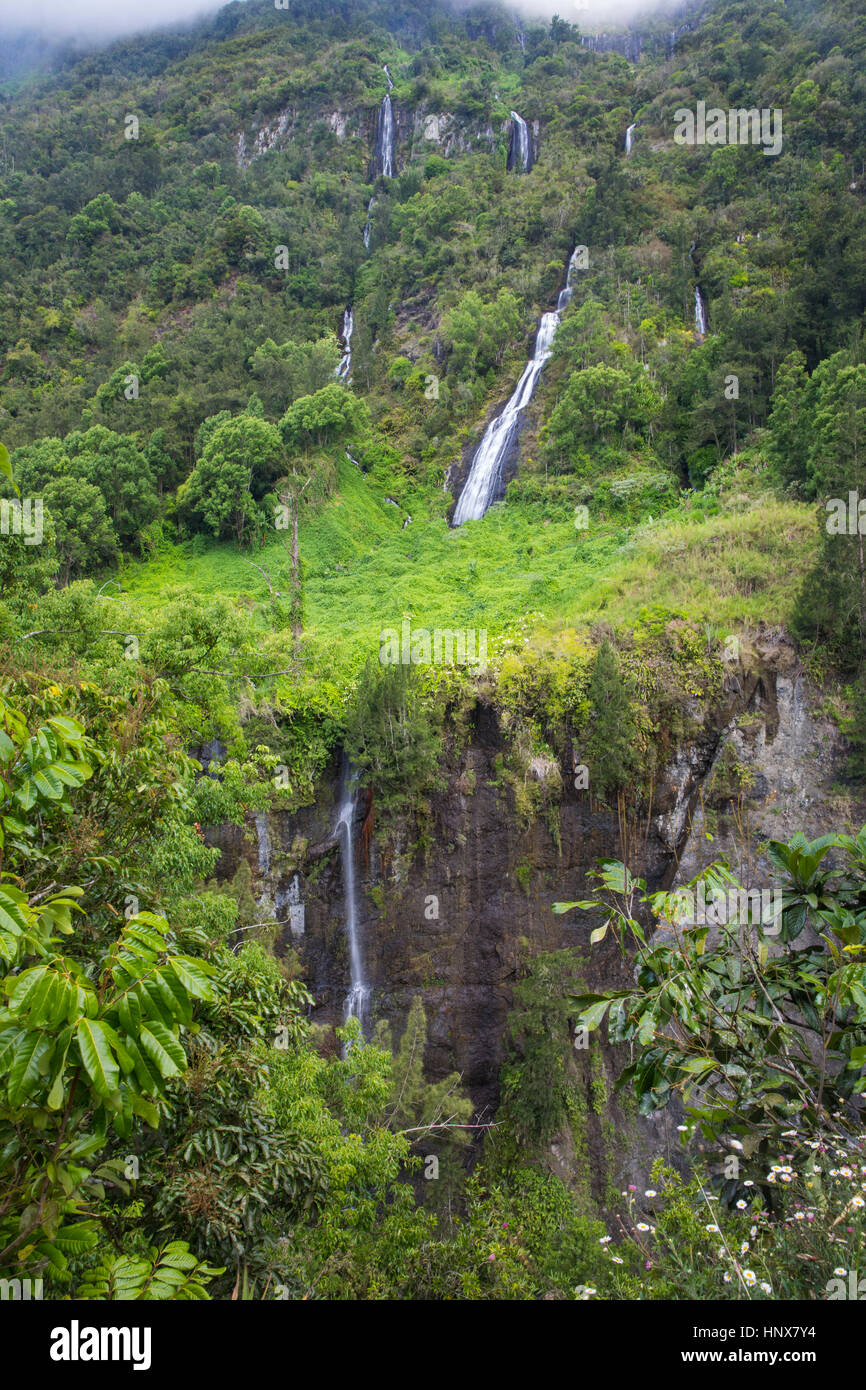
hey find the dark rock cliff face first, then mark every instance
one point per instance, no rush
(457, 917)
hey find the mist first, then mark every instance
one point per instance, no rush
(57, 21)
(100, 21)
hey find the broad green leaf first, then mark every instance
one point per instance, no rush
(32, 1052)
(96, 1054)
(163, 1048)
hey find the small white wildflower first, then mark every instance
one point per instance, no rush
(741, 1206)
(749, 1277)
(768, 1288)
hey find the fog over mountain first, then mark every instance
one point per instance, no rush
(54, 21)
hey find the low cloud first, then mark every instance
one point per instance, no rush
(103, 20)
(100, 19)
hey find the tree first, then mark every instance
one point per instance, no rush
(755, 1043)
(389, 733)
(113, 463)
(419, 1108)
(832, 602)
(241, 459)
(479, 334)
(326, 416)
(602, 405)
(84, 536)
(609, 743)
(790, 426)
(85, 1044)
(289, 370)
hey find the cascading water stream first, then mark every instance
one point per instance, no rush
(487, 462)
(358, 998)
(700, 313)
(384, 154)
(345, 366)
(368, 224)
(520, 150)
(629, 141)
(264, 842)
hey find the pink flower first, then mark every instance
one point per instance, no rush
(491, 1258)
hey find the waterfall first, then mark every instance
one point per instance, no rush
(628, 138)
(358, 998)
(388, 75)
(487, 462)
(568, 289)
(519, 148)
(264, 840)
(367, 225)
(384, 154)
(700, 312)
(385, 139)
(345, 366)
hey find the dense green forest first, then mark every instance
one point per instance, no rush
(210, 514)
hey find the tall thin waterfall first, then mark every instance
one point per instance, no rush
(367, 224)
(520, 147)
(384, 154)
(628, 138)
(700, 312)
(264, 842)
(500, 436)
(345, 366)
(358, 998)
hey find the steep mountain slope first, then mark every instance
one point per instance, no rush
(266, 285)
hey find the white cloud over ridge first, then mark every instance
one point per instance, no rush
(103, 20)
